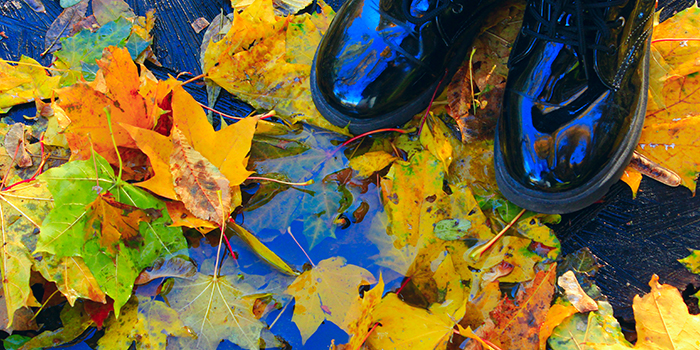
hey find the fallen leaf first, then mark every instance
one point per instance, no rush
(175, 266)
(254, 62)
(22, 209)
(146, 323)
(66, 231)
(575, 294)
(216, 308)
(15, 145)
(407, 327)
(371, 162)
(261, 250)
(357, 319)
(301, 157)
(324, 293)
(72, 277)
(24, 82)
(199, 184)
(597, 330)
(36, 5)
(183, 217)
(77, 58)
(516, 323)
(75, 321)
(62, 26)
(23, 318)
(555, 316)
(199, 24)
(110, 10)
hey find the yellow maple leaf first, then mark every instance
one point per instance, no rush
(324, 293)
(357, 319)
(226, 149)
(668, 137)
(266, 60)
(24, 82)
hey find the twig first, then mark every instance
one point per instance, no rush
(493, 240)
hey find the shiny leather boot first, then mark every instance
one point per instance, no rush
(381, 61)
(574, 103)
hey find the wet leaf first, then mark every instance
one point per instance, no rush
(261, 250)
(15, 145)
(24, 82)
(516, 323)
(75, 321)
(176, 266)
(255, 63)
(199, 184)
(36, 5)
(79, 53)
(357, 319)
(692, 261)
(597, 329)
(68, 231)
(63, 25)
(226, 149)
(147, 323)
(555, 316)
(408, 327)
(22, 209)
(312, 157)
(110, 10)
(216, 308)
(72, 277)
(475, 92)
(667, 137)
(182, 217)
(575, 294)
(371, 162)
(325, 292)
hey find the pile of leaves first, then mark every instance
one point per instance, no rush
(124, 208)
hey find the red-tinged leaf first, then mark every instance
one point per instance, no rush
(99, 312)
(515, 324)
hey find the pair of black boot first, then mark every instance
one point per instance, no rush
(575, 98)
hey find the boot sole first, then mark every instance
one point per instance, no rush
(596, 188)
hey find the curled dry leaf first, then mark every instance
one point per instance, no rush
(201, 186)
(576, 295)
(15, 146)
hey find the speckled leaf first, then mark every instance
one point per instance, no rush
(147, 323)
(324, 293)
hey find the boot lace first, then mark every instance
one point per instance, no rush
(588, 17)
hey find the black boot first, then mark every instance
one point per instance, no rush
(574, 103)
(381, 61)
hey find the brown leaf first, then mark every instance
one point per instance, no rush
(515, 324)
(198, 182)
(15, 146)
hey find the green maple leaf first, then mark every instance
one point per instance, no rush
(79, 52)
(67, 230)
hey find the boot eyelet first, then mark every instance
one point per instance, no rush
(621, 20)
(457, 8)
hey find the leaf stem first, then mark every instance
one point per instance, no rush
(432, 99)
(403, 285)
(114, 143)
(192, 79)
(402, 131)
(493, 240)
(307, 183)
(374, 326)
(278, 316)
(289, 230)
